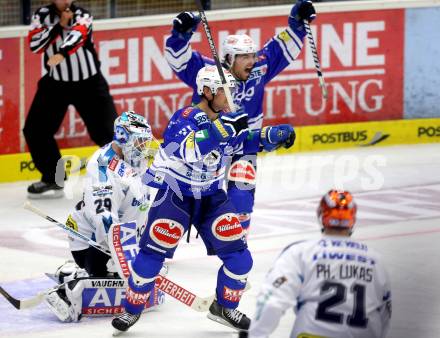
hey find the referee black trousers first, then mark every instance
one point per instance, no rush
(94, 104)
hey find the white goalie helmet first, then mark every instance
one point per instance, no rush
(237, 44)
(133, 135)
(208, 76)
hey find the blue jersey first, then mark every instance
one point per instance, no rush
(191, 161)
(276, 55)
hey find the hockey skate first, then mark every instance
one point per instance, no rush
(44, 190)
(229, 317)
(123, 322)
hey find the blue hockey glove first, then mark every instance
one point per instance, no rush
(273, 137)
(302, 10)
(230, 125)
(185, 24)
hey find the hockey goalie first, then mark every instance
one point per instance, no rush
(113, 193)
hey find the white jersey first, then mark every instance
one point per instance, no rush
(113, 193)
(337, 287)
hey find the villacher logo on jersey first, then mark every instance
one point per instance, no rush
(242, 171)
(166, 232)
(227, 227)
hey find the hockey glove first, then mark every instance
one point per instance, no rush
(185, 24)
(230, 125)
(273, 137)
(302, 10)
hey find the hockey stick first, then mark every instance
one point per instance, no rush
(169, 287)
(315, 58)
(200, 304)
(124, 268)
(71, 231)
(23, 303)
(215, 55)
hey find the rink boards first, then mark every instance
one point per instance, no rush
(369, 51)
(19, 167)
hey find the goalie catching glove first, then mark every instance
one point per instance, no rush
(273, 137)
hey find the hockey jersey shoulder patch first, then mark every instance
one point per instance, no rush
(121, 168)
(186, 112)
(258, 71)
(201, 118)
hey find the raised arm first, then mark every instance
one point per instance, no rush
(178, 52)
(285, 46)
(81, 30)
(41, 35)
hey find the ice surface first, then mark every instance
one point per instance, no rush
(399, 216)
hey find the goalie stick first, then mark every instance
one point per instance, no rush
(215, 54)
(171, 288)
(200, 304)
(124, 249)
(316, 59)
(71, 231)
(21, 304)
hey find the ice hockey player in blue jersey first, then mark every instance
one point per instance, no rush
(189, 173)
(252, 69)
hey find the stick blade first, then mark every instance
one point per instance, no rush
(10, 299)
(201, 304)
(25, 303)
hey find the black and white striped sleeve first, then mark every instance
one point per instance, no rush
(40, 34)
(81, 30)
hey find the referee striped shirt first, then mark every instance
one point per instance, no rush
(74, 42)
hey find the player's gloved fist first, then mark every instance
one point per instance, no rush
(230, 125)
(302, 10)
(273, 137)
(186, 23)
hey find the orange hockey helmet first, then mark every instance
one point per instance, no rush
(337, 210)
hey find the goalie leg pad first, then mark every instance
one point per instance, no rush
(59, 305)
(66, 302)
(105, 296)
(232, 276)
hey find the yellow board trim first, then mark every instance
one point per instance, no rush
(19, 167)
(365, 134)
(308, 335)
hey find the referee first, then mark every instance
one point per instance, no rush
(63, 32)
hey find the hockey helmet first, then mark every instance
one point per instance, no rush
(337, 210)
(133, 135)
(208, 76)
(237, 44)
